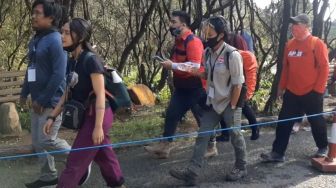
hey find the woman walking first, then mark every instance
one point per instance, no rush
(87, 76)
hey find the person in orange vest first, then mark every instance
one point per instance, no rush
(302, 84)
(188, 89)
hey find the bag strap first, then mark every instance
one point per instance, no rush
(185, 44)
(227, 55)
(312, 45)
(87, 55)
(85, 60)
(187, 40)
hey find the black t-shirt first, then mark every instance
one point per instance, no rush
(82, 89)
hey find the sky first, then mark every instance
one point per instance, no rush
(264, 3)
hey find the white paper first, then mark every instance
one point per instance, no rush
(116, 77)
(31, 75)
(211, 93)
(193, 65)
(187, 66)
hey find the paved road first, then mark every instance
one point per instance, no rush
(142, 171)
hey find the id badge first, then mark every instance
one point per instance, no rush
(211, 93)
(31, 74)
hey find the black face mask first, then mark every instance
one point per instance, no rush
(175, 31)
(71, 48)
(211, 42)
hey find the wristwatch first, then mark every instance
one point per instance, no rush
(51, 117)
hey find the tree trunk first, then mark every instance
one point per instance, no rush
(318, 17)
(86, 10)
(138, 36)
(283, 38)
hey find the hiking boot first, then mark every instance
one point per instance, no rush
(272, 157)
(184, 174)
(161, 149)
(236, 174)
(40, 183)
(223, 138)
(211, 151)
(86, 176)
(321, 152)
(255, 134)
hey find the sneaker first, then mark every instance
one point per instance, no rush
(184, 174)
(86, 176)
(236, 174)
(40, 183)
(211, 151)
(272, 157)
(321, 152)
(255, 134)
(223, 138)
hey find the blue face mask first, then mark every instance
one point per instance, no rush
(175, 31)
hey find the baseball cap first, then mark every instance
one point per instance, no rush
(301, 18)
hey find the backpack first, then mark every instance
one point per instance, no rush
(250, 67)
(248, 39)
(115, 89)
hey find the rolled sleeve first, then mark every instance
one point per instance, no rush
(236, 68)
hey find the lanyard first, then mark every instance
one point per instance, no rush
(214, 63)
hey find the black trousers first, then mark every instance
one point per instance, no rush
(295, 106)
(182, 100)
(250, 116)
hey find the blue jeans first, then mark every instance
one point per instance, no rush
(181, 101)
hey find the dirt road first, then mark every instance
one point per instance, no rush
(142, 171)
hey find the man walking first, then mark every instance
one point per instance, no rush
(188, 88)
(303, 82)
(45, 82)
(224, 74)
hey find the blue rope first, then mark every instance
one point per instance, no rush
(141, 142)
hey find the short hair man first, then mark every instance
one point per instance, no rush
(303, 82)
(44, 81)
(188, 88)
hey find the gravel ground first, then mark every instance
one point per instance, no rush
(142, 171)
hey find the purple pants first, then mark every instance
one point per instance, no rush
(78, 161)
